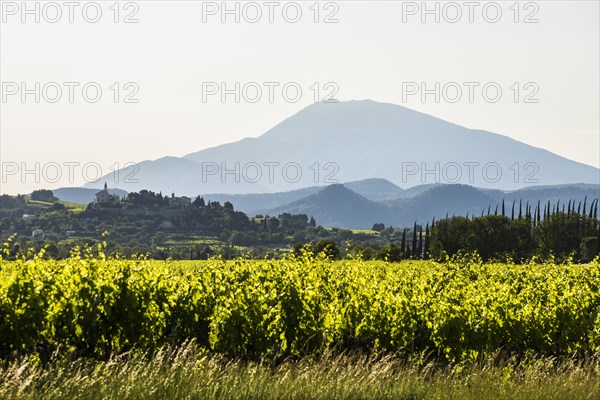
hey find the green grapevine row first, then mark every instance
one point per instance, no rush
(92, 306)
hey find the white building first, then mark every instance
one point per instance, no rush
(103, 197)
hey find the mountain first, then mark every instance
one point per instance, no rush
(252, 203)
(375, 189)
(462, 199)
(82, 195)
(439, 201)
(355, 140)
(564, 193)
(338, 206)
(177, 175)
(360, 204)
(415, 190)
(425, 203)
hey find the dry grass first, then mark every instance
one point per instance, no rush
(186, 373)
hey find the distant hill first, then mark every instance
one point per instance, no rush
(360, 204)
(253, 203)
(415, 190)
(576, 192)
(338, 206)
(437, 202)
(372, 189)
(82, 195)
(353, 141)
(375, 189)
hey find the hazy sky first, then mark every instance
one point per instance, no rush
(375, 50)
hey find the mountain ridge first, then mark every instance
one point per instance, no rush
(357, 140)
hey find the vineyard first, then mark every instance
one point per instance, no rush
(94, 307)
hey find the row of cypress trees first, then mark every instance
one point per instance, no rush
(523, 231)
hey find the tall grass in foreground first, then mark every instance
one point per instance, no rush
(186, 373)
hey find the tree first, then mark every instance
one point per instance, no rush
(426, 245)
(449, 236)
(363, 251)
(589, 248)
(199, 202)
(420, 245)
(329, 248)
(43, 195)
(558, 235)
(58, 207)
(273, 223)
(391, 253)
(160, 238)
(490, 236)
(300, 236)
(403, 244)
(413, 248)
(300, 249)
(378, 227)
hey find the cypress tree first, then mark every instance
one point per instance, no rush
(496, 210)
(512, 214)
(420, 246)
(426, 246)
(520, 209)
(569, 209)
(579, 208)
(503, 213)
(584, 204)
(531, 216)
(403, 245)
(538, 212)
(414, 239)
(489, 207)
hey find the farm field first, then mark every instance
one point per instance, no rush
(282, 326)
